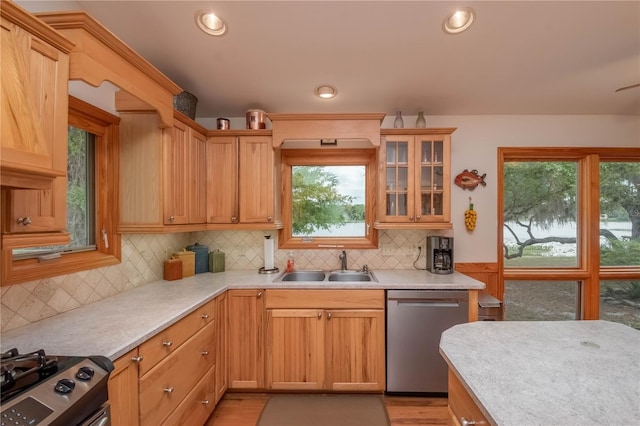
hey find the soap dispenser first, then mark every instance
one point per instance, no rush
(290, 262)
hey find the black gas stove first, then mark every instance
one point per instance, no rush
(39, 389)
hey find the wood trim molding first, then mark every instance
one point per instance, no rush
(487, 272)
(17, 15)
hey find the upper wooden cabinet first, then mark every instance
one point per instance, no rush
(414, 179)
(35, 75)
(162, 174)
(242, 170)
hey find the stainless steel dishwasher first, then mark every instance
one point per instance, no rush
(415, 321)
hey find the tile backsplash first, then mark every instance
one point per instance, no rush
(142, 263)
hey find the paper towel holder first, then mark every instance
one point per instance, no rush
(264, 269)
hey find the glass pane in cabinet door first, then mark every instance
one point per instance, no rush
(425, 152)
(425, 178)
(438, 151)
(391, 204)
(403, 152)
(402, 204)
(425, 208)
(403, 179)
(438, 178)
(391, 179)
(437, 203)
(391, 152)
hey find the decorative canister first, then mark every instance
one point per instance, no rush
(223, 124)
(172, 269)
(186, 103)
(255, 119)
(216, 261)
(201, 260)
(188, 259)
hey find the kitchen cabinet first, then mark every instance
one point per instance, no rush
(222, 346)
(246, 339)
(162, 174)
(415, 176)
(325, 340)
(243, 167)
(32, 210)
(35, 75)
(123, 390)
(462, 408)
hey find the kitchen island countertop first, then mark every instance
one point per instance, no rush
(548, 373)
(113, 326)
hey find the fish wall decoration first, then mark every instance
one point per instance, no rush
(470, 179)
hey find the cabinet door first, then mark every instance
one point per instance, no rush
(355, 350)
(34, 109)
(256, 184)
(246, 339)
(123, 391)
(222, 346)
(197, 168)
(31, 210)
(295, 349)
(176, 175)
(432, 187)
(222, 179)
(397, 159)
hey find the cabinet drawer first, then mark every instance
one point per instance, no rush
(168, 383)
(198, 405)
(167, 341)
(462, 405)
(325, 299)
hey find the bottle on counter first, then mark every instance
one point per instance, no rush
(290, 262)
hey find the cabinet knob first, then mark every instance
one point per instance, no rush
(24, 221)
(269, 219)
(171, 218)
(138, 358)
(204, 316)
(465, 422)
(418, 218)
(411, 218)
(319, 315)
(328, 315)
(260, 293)
(204, 353)
(167, 343)
(234, 219)
(169, 389)
(204, 402)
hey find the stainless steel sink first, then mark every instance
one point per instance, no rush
(349, 276)
(303, 276)
(337, 275)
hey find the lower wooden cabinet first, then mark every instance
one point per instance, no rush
(246, 339)
(123, 390)
(462, 409)
(334, 341)
(222, 346)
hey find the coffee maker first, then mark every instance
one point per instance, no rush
(440, 255)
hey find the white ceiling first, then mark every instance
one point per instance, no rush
(519, 57)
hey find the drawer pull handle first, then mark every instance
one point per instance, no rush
(171, 218)
(204, 402)
(205, 353)
(465, 422)
(167, 343)
(138, 358)
(169, 389)
(260, 294)
(24, 221)
(204, 316)
(319, 315)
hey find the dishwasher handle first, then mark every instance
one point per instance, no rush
(428, 303)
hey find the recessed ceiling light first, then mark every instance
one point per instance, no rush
(210, 23)
(325, 91)
(459, 20)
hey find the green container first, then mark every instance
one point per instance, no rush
(216, 261)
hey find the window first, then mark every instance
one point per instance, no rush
(577, 249)
(92, 205)
(328, 198)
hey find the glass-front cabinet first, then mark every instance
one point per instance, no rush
(414, 187)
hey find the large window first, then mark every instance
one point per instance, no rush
(92, 205)
(328, 198)
(570, 233)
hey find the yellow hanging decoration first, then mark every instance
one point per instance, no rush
(470, 217)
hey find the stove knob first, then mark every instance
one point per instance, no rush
(85, 373)
(65, 386)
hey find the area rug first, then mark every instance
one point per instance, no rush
(324, 410)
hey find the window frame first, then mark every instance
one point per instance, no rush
(588, 271)
(105, 127)
(328, 157)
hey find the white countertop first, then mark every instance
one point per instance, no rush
(113, 326)
(548, 373)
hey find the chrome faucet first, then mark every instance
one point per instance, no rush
(343, 259)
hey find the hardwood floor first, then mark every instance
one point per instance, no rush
(243, 409)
